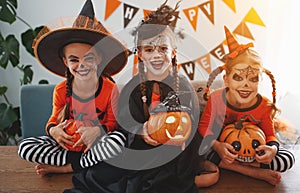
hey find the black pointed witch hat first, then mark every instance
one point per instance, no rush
(86, 28)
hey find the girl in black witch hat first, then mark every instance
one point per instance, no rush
(87, 55)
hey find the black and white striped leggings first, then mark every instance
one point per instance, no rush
(283, 160)
(45, 150)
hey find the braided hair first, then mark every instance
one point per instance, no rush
(65, 111)
(249, 56)
(161, 21)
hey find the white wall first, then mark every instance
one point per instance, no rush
(277, 42)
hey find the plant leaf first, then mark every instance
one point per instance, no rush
(28, 37)
(9, 51)
(28, 74)
(3, 90)
(8, 10)
(7, 116)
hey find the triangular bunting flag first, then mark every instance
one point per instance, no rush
(253, 17)
(189, 68)
(111, 6)
(204, 62)
(218, 52)
(146, 13)
(243, 30)
(192, 16)
(230, 4)
(135, 68)
(129, 13)
(208, 9)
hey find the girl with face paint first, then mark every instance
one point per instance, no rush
(240, 98)
(89, 96)
(158, 167)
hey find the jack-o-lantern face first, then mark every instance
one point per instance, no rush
(172, 128)
(71, 129)
(244, 138)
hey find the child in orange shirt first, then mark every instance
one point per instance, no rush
(241, 100)
(88, 95)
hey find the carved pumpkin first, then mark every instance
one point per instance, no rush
(172, 128)
(245, 137)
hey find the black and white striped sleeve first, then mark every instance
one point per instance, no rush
(104, 148)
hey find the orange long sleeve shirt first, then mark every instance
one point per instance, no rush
(99, 109)
(218, 113)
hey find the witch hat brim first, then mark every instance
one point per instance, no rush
(86, 29)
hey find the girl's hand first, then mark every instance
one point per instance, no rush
(226, 152)
(268, 154)
(88, 136)
(60, 136)
(146, 137)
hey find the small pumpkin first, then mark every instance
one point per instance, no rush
(172, 128)
(245, 137)
(73, 126)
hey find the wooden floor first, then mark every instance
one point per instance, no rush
(17, 175)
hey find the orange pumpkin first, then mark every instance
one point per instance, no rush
(245, 137)
(73, 125)
(172, 128)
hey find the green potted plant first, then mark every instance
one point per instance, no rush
(10, 128)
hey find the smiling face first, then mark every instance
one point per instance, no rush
(82, 60)
(242, 82)
(157, 53)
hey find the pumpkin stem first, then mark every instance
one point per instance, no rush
(239, 124)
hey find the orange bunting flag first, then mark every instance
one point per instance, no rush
(230, 4)
(192, 16)
(204, 62)
(129, 13)
(208, 9)
(189, 69)
(111, 6)
(146, 13)
(218, 52)
(135, 68)
(253, 17)
(243, 30)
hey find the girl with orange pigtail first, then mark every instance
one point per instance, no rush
(240, 100)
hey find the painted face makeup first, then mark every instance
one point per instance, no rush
(156, 53)
(81, 59)
(243, 85)
(248, 71)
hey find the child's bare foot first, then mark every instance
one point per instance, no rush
(208, 176)
(206, 179)
(42, 169)
(270, 176)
